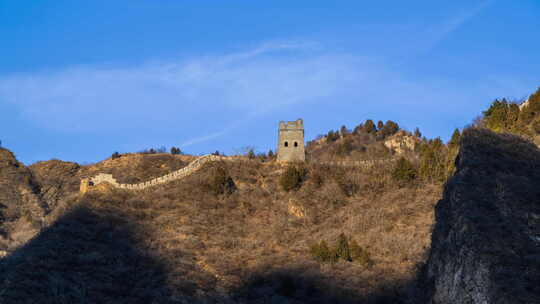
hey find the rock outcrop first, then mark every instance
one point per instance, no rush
(21, 209)
(58, 181)
(401, 142)
(486, 240)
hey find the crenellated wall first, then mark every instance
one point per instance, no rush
(88, 183)
(357, 163)
(175, 175)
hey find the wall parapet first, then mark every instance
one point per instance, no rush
(192, 167)
(195, 165)
(357, 163)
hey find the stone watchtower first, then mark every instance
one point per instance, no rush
(291, 141)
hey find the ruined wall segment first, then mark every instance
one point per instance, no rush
(291, 141)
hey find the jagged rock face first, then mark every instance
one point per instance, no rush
(58, 180)
(486, 240)
(21, 210)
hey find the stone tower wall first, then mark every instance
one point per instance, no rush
(291, 141)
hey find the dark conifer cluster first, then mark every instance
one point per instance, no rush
(344, 249)
(506, 116)
(175, 150)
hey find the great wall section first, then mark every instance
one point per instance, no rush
(192, 167)
(290, 149)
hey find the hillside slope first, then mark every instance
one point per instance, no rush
(21, 209)
(183, 242)
(486, 241)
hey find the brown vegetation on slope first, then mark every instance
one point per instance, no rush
(135, 167)
(183, 241)
(21, 209)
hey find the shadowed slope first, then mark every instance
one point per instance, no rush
(486, 241)
(184, 241)
(21, 209)
(87, 256)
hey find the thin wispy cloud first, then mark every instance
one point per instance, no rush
(456, 22)
(442, 31)
(227, 89)
(207, 97)
(196, 140)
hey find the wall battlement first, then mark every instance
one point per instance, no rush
(358, 163)
(88, 183)
(291, 125)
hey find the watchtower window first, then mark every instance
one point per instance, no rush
(296, 144)
(286, 144)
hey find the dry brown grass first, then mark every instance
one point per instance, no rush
(244, 245)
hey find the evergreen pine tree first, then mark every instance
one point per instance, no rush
(433, 160)
(176, 150)
(251, 154)
(358, 129)
(496, 116)
(369, 126)
(390, 128)
(360, 255)
(292, 178)
(417, 133)
(343, 130)
(322, 253)
(512, 120)
(342, 249)
(404, 170)
(332, 136)
(453, 149)
(454, 140)
(531, 110)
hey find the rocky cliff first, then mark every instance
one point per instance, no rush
(486, 240)
(21, 209)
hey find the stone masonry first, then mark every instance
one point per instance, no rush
(88, 183)
(290, 149)
(291, 141)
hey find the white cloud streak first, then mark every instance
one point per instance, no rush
(198, 95)
(451, 25)
(230, 88)
(456, 22)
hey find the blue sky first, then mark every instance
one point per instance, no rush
(82, 79)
